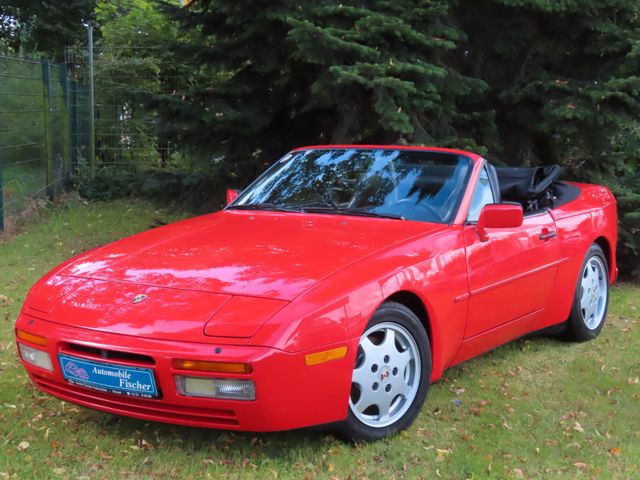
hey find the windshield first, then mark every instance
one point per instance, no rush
(408, 184)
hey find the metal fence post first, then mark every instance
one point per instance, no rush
(1, 200)
(92, 131)
(74, 128)
(66, 123)
(48, 140)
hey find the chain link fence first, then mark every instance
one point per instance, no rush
(39, 143)
(128, 136)
(51, 133)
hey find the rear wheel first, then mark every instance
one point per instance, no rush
(591, 298)
(391, 374)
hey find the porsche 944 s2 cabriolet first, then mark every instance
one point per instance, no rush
(333, 290)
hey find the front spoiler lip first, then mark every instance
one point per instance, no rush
(288, 393)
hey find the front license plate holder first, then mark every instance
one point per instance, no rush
(108, 377)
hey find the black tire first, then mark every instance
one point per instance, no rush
(415, 376)
(583, 326)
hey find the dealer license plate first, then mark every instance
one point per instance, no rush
(107, 377)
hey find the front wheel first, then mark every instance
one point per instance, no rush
(391, 375)
(591, 297)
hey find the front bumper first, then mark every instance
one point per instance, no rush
(289, 394)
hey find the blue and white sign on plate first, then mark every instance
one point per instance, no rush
(107, 377)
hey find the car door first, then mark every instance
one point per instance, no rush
(512, 273)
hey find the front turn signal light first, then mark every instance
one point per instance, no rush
(216, 367)
(325, 356)
(31, 338)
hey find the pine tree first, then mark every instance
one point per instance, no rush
(286, 73)
(525, 82)
(565, 86)
(30, 26)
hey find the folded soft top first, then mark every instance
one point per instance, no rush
(536, 188)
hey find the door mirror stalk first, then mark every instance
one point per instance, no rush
(232, 194)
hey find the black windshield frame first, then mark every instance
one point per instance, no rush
(460, 166)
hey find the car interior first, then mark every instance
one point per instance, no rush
(535, 188)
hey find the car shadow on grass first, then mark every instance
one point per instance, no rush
(204, 441)
(231, 449)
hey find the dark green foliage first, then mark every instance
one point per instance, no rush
(131, 64)
(198, 192)
(565, 88)
(286, 73)
(524, 82)
(43, 26)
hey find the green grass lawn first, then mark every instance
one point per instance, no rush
(536, 408)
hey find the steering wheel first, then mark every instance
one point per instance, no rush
(433, 214)
(549, 175)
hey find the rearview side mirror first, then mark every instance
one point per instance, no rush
(498, 215)
(232, 195)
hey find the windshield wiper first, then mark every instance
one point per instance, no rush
(316, 207)
(274, 207)
(323, 208)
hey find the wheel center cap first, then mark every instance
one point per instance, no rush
(384, 374)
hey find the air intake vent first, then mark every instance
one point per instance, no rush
(102, 354)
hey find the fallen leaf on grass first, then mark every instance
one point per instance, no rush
(442, 453)
(580, 465)
(142, 445)
(22, 446)
(615, 451)
(578, 428)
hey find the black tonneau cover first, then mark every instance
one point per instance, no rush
(535, 188)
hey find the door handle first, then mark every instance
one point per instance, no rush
(547, 234)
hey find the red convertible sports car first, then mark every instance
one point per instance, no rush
(333, 290)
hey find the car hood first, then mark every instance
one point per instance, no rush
(260, 254)
(152, 312)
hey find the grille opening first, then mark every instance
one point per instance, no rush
(100, 353)
(139, 407)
